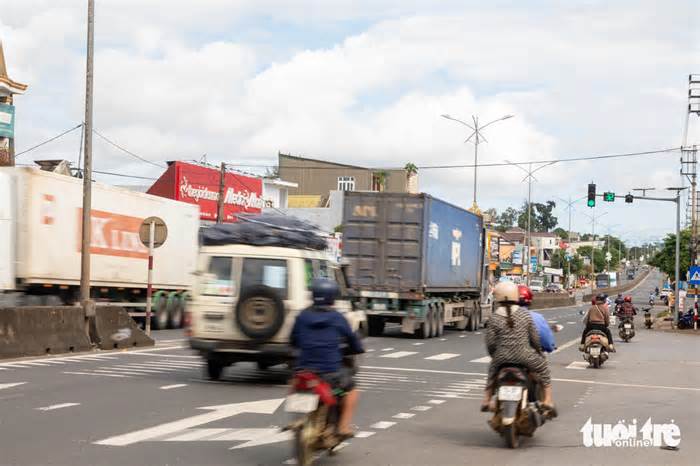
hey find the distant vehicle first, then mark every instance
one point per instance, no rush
(554, 288)
(630, 274)
(602, 280)
(537, 286)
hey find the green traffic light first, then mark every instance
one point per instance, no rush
(591, 203)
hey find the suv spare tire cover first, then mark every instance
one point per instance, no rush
(259, 312)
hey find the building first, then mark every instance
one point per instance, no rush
(317, 178)
(544, 244)
(8, 89)
(199, 184)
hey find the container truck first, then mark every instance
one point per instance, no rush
(40, 246)
(413, 260)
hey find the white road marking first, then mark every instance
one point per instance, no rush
(196, 434)
(477, 333)
(462, 336)
(566, 345)
(92, 373)
(427, 371)
(443, 339)
(387, 349)
(572, 323)
(399, 354)
(418, 344)
(10, 385)
(169, 387)
(136, 369)
(382, 425)
(215, 413)
(34, 363)
(109, 371)
(484, 360)
(177, 356)
(421, 408)
(442, 356)
(370, 350)
(578, 365)
(58, 406)
(436, 402)
(403, 416)
(552, 321)
(364, 434)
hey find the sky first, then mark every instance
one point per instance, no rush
(365, 82)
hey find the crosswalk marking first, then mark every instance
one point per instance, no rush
(485, 360)
(58, 406)
(578, 365)
(92, 373)
(442, 356)
(170, 387)
(382, 425)
(399, 354)
(403, 416)
(364, 434)
(387, 349)
(436, 402)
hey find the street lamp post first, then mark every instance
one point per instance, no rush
(529, 177)
(570, 207)
(478, 136)
(593, 219)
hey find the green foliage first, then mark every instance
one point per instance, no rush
(542, 216)
(561, 233)
(411, 168)
(666, 258)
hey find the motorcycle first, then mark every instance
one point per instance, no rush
(651, 301)
(317, 409)
(686, 320)
(518, 410)
(595, 348)
(626, 328)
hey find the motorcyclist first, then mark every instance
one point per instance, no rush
(512, 338)
(598, 318)
(656, 291)
(318, 332)
(543, 329)
(627, 310)
(652, 297)
(618, 301)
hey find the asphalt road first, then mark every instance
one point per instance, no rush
(419, 405)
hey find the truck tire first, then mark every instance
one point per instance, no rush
(259, 313)
(376, 326)
(159, 315)
(440, 320)
(433, 322)
(175, 310)
(424, 328)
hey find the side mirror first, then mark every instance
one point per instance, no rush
(580, 312)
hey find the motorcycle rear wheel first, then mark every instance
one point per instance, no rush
(510, 435)
(596, 363)
(303, 448)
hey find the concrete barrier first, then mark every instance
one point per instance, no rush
(549, 300)
(114, 328)
(34, 331)
(617, 289)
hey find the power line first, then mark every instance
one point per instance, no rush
(49, 140)
(494, 164)
(114, 144)
(125, 176)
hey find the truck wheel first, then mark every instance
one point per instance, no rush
(159, 316)
(433, 323)
(259, 313)
(440, 320)
(214, 369)
(423, 330)
(462, 324)
(175, 310)
(376, 326)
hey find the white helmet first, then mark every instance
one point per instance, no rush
(506, 292)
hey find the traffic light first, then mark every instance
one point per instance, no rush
(629, 198)
(591, 195)
(609, 197)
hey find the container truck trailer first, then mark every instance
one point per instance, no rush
(40, 244)
(414, 260)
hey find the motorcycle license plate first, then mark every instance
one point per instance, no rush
(595, 351)
(302, 403)
(510, 393)
(613, 320)
(628, 325)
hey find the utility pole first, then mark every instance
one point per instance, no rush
(689, 162)
(478, 137)
(530, 178)
(220, 200)
(593, 220)
(88, 305)
(570, 208)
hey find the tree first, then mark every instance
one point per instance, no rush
(542, 216)
(507, 218)
(490, 216)
(665, 259)
(561, 233)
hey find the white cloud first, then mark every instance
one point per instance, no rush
(174, 80)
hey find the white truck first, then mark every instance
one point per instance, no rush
(40, 244)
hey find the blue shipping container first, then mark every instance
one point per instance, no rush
(411, 243)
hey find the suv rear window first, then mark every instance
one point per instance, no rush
(219, 281)
(268, 272)
(316, 268)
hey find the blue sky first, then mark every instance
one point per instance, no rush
(365, 82)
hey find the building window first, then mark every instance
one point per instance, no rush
(346, 183)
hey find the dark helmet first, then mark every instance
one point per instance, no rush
(601, 298)
(324, 291)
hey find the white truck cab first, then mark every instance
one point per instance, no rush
(246, 299)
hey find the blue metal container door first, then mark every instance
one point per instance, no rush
(454, 251)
